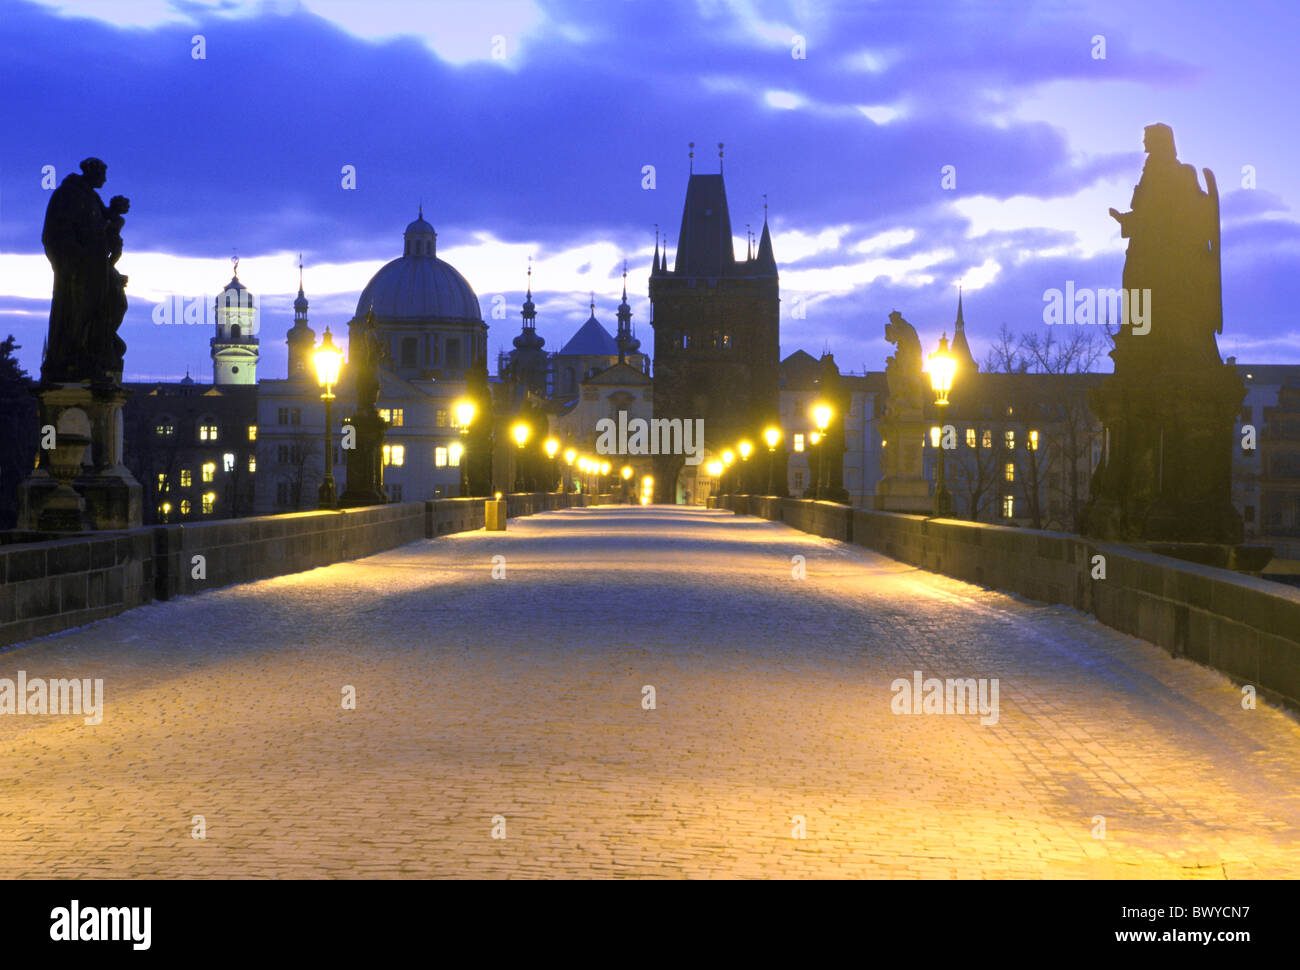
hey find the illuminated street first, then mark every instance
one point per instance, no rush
(522, 697)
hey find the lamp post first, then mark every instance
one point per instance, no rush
(942, 367)
(626, 472)
(569, 456)
(328, 359)
(772, 435)
(746, 448)
(822, 415)
(714, 469)
(520, 431)
(464, 417)
(602, 470)
(728, 457)
(814, 439)
(552, 446)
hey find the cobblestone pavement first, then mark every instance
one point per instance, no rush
(522, 697)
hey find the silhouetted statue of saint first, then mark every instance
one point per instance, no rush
(83, 241)
(1169, 407)
(1173, 251)
(368, 353)
(903, 370)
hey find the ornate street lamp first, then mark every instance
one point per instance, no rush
(464, 418)
(328, 359)
(520, 432)
(822, 414)
(772, 435)
(569, 456)
(942, 368)
(551, 447)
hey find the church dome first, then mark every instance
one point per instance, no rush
(418, 285)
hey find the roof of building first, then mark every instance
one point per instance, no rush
(704, 246)
(619, 374)
(799, 372)
(418, 286)
(591, 340)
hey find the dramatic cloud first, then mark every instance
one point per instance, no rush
(525, 128)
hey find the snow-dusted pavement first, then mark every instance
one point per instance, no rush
(522, 698)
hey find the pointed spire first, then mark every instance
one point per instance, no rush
(765, 263)
(719, 158)
(692, 159)
(960, 347)
(654, 266)
(530, 277)
(625, 281)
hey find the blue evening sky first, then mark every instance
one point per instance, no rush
(523, 126)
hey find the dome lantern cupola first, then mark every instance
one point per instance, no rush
(420, 238)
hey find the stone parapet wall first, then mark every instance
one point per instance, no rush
(53, 584)
(1245, 627)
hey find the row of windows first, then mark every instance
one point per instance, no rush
(208, 472)
(714, 340)
(986, 439)
(207, 504)
(208, 430)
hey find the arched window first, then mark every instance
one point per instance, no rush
(235, 331)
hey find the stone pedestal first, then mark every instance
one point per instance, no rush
(81, 482)
(904, 487)
(1166, 473)
(494, 517)
(366, 462)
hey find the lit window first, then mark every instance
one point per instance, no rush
(186, 478)
(164, 510)
(228, 462)
(252, 432)
(1009, 472)
(164, 430)
(185, 506)
(252, 463)
(798, 442)
(395, 416)
(970, 437)
(209, 471)
(207, 432)
(1033, 441)
(394, 454)
(1008, 506)
(162, 481)
(986, 440)
(209, 502)
(1009, 439)
(440, 457)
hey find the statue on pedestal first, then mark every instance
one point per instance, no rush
(1169, 408)
(904, 487)
(81, 481)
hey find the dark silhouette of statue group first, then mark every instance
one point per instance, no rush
(1169, 408)
(83, 241)
(80, 481)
